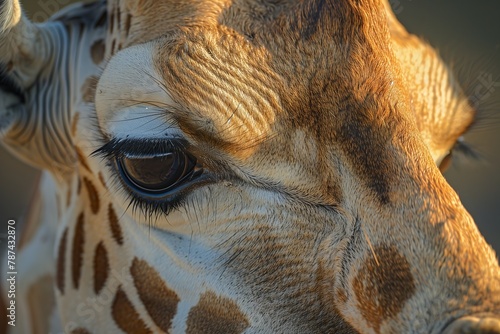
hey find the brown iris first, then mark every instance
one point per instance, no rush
(156, 173)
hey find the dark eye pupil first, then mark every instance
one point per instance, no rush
(156, 173)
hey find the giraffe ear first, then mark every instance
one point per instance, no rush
(32, 123)
(22, 44)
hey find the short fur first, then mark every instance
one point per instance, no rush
(320, 126)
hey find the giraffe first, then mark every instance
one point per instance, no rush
(239, 166)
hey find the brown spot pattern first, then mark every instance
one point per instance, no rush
(80, 330)
(81, 158)
(111, 21)
(125, 316)
(128, 23)
(97, 51)
(88, 89)
(102, 20)
(215, 314)
(383, 288)
(114, 225)
(101, 178)
(365, 146)
(77, 253)
(61, 262)
(341, 296)
(95, 203)
(160, 302)
(118, 17)
(101, 267)
(74, 123)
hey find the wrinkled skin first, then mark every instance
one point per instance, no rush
(300, 145)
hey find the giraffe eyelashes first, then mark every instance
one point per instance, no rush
(460, 149)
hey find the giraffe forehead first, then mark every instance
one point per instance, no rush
(131, 99)
(230, 90)
(227, 91)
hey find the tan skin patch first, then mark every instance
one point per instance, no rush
(101, 178)
(88, 89)
(61, 262)
(125, 315)
(114, 225)
(97, 51)
(160, 301)
(214, 314)
(77, 253)
(101, 267)
(383, 287)
(95, 203)
(81, 158)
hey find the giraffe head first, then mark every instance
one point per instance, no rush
(284, 154)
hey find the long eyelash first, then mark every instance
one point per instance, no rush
(464, 149)
(150, 209)
(485, 101)
(140, 147)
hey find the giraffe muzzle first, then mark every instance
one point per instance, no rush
(473, 325)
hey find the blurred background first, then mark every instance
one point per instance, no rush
(467, 34)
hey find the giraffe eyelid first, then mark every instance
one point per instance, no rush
(141, 147)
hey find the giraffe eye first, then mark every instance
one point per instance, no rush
(157, 174)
